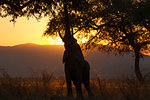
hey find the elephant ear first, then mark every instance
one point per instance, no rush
(78, 56)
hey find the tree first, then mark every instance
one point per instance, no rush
(41, 8)
(118, 27)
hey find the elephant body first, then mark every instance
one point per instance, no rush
(76, 69)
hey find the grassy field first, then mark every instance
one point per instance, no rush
(47, 87)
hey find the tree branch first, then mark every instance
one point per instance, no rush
(93, 37)
(60, 35)
(144, 43)
(26, 4)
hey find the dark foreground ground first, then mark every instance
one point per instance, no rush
(46, 87)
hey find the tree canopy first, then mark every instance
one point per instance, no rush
(117, 25)
(36, 8)
(122, 26)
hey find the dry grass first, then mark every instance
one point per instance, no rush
(46, 87)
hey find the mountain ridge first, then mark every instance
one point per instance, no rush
(21, 60)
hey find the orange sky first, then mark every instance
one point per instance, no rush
(24, 31)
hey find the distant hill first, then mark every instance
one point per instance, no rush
(27, 59)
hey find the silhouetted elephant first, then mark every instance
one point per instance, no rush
(76, 68)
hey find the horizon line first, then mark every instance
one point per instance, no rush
(28, 44)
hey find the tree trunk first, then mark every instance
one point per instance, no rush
(137, 68)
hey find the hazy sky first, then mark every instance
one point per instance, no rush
(24, 31)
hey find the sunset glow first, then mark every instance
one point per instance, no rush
(25, 31)
(51, 41)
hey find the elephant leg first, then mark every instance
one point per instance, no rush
(68, 81)
(86, 82)
(69, 88)
(87, 86)
(79, 90)
(78, 85)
